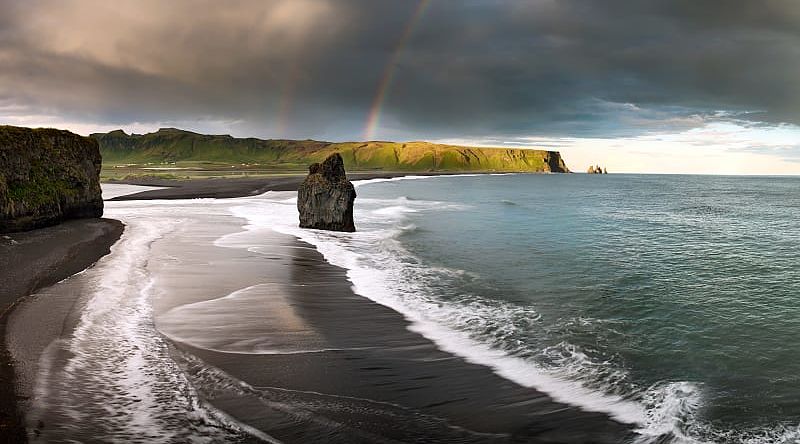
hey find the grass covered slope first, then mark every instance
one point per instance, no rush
(169, 145)
(46, 176)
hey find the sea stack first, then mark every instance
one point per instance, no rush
(47, 176)
(325, 198)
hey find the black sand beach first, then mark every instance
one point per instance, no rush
(33, 260)
(233, 187)
(365, 378)
(379, 381)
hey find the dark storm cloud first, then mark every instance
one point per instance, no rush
(310, 68)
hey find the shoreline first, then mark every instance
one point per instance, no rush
(56, 252)
(387, 380)
(371, 360)
(220, 188)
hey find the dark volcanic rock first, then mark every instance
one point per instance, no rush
(596, 170)
(46, 176)
(554, 163)
(325, 198)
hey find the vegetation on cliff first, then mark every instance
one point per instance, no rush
(169, 145)
(47, 175)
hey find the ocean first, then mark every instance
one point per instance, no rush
(669, 303)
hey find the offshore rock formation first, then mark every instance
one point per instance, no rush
(46, 176)
(596, 170)
(325, 198)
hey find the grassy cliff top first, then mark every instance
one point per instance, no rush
(170, 145)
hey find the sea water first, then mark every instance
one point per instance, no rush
(669, 302)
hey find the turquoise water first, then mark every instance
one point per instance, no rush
(680, 294)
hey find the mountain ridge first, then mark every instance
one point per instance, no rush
(169, 145)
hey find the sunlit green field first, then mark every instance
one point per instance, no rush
(187, 170)
(176, 154)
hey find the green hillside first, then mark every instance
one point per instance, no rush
(169, 145)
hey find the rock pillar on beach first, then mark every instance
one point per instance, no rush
(325, 198)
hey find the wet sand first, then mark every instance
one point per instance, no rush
(333, 366)
(363, 377)
(234, 187)
(381, 382)
(33, 260)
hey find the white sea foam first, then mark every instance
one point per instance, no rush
(118, 382)
(381, 270)
(377, 273)
(671, 407)
(112, 190)
(135, 372)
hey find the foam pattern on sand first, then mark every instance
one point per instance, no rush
(486, 331)
(113, 379)
(384, 277)
(254, 320)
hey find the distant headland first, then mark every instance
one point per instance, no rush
(170, 145)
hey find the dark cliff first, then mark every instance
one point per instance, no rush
(325, 198)
(46, 176)
(553, 162)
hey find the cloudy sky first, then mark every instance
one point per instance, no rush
(707, 86)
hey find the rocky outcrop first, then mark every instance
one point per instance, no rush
(325, 198)
(46, 176)
(596, 170)
(554, 163)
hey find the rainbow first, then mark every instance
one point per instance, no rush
(289, 85)
(373, 118)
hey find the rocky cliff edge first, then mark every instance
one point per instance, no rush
(46, 176)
